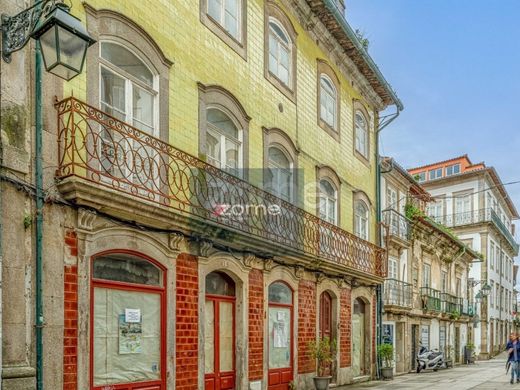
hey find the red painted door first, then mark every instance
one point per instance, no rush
(219, 333)
(326, 320)
(280, 315)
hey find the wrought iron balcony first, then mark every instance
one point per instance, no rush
(467, 307)
(431, 299)
(397, 293)
(107, 153)
(449, 303)
(398, 224)
(478, 216)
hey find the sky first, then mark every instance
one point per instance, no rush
(455, 64)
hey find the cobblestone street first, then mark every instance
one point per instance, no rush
(484, 375)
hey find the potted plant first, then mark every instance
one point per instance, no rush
(386, 354)
(323, 351)
(469, 353)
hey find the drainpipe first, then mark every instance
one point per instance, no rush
(379, 289)
(1, 236)
(38, 128)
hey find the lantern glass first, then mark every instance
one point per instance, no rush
(64, 42)
(486, 289)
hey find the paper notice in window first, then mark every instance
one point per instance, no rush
(279, 335)
(132, 315)
(129, 336)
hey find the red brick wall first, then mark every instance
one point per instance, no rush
(256, 324)
(186, 328)
(345, 328)
(306, 325)
(70, 327)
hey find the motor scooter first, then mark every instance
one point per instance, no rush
(430, 359)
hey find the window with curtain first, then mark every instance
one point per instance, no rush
(279, 174)
(227, 14)
(223, 141)
(361, 133)
(328, 101)
(361, 220)
(280, 47)
(328, 202)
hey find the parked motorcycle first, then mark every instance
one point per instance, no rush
(430, 359)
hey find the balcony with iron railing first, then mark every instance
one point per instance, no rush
(107, 164)
(397, 224)
(431, 299)
(478, 216)
(397, 293)
(466, 307)
(449, 303)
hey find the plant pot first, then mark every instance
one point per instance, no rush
(322, 382)
(387, 373)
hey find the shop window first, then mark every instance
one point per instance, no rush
(127, 321)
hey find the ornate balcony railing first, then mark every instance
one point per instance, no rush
(398, 224)
(397, 293)
(431, 299)
(478, 216)
(108, 152)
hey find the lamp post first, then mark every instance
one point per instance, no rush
(62, 41)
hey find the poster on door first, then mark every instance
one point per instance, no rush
(280, 339)
(388, 334)
(130, 334)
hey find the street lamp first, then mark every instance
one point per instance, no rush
(478, 298)
(485, 290)
(63, 38)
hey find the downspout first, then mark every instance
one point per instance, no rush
(38, 129)
(1, 237)
(379, 287)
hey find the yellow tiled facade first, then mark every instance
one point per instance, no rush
(199, 55)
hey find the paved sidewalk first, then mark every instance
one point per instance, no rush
(483, 375)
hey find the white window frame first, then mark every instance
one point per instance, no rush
(129, 85)
(426, 281)
(393, 268)
(357, 130)
(450, 169)
(272, 164)
(435, 173)
(216, 132)
(222, 20)
(328, 200)
(360, 220)
(280, 43)
(331, 92)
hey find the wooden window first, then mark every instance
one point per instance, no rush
(361, 219)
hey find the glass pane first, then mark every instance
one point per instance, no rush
(226, 336)
(209, 338)
(215, 9)
(327, 188)
(72, 49)
(113, 94)
(279, 337)
(213, 149)
(127, 61)
(218, 283)
(126, 268)
(278, 158)
(48, 45)
(222, 122)
(279, 32)
(126, 351)
(143, 109)
(280, 293)
(231, 25)
(231, 155)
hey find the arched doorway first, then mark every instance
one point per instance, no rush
(358, 338)
(219, 332)
(326, 328)
(280, 336)
(127, 322)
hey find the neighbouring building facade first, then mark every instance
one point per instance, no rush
(471, 200)
(427, 298)
(210, 188)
